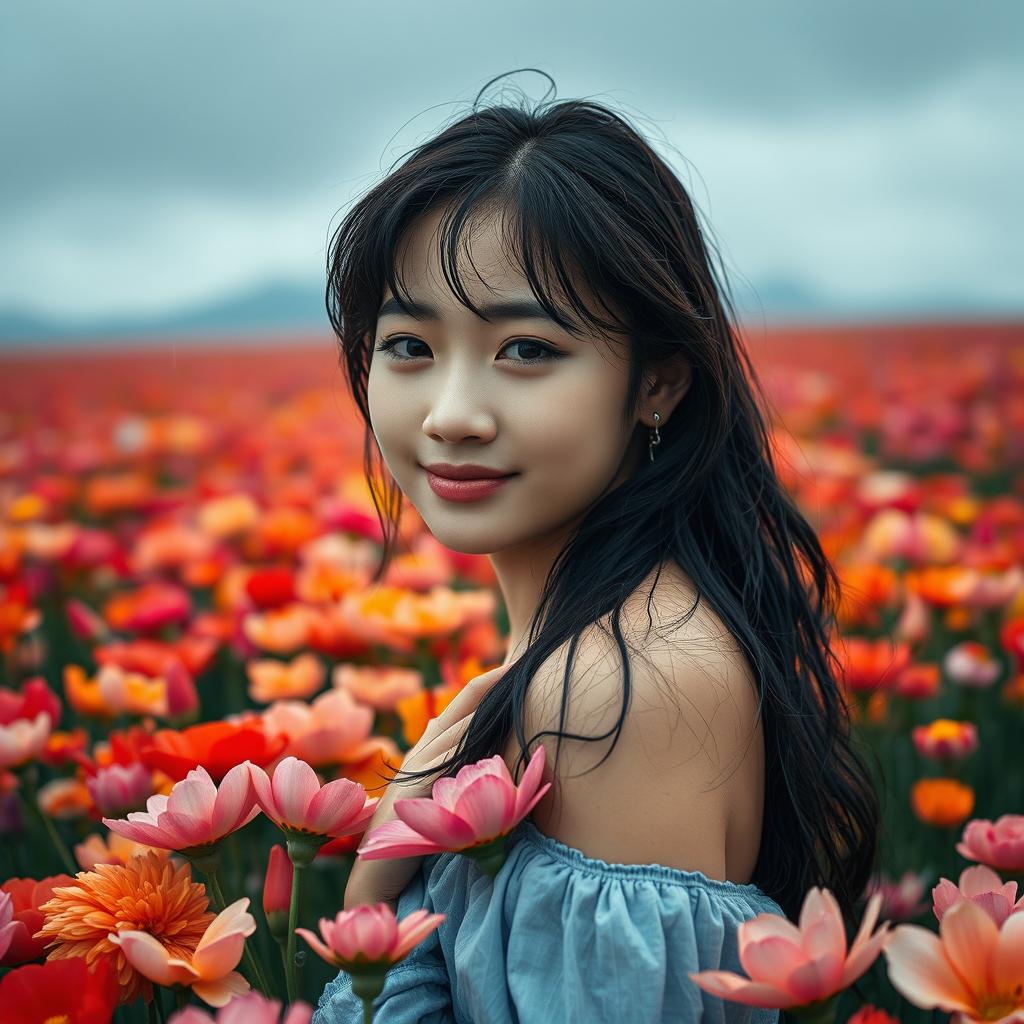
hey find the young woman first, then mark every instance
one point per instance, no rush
(535, 336)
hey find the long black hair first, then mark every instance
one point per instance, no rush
(581, 187)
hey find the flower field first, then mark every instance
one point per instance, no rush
(203, 692)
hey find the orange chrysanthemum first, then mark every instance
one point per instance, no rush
(146, 894)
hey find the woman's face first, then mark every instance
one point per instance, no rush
(518, 395)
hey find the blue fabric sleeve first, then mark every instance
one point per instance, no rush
(561, 937)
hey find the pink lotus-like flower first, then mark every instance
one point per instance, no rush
(210, 971)
(296, 802)
(983, 886)
(369, 934)
(251, 1008)
(479, 805)
(23, 740)
(119, 788)
(1000, 845)
(790, 966)
(196, 813)
(973, 968)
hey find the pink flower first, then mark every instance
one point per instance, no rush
(23, 740)
(296, 802)
(119, 788)
(332, 729)
(197, 812)
(251, 1008)
(790, 966)
(478, 805)
(971, 664)
(369, 934)
(981, 885)
(973, 968)
(901, 901)
(210, 972)
(999, 845)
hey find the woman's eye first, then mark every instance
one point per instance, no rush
(532, 351)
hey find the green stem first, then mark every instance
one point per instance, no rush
(293, 920)
(30, 799)
(252, 965)
(180, 997)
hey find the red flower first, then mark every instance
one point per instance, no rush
(35, 696)
(27, 894)
(60, 990)
(272, 587)
(869, 1014)
(150, 657)
(217, 746)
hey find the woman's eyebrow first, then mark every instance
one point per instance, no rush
(511, 309)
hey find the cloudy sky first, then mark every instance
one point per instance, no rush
(859, 158)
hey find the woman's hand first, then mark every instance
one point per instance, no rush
(375, 881)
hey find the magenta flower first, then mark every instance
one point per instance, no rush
(119, 788)
(469, 814)
(196, 813)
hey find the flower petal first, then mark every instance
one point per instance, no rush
(294, 784)
(151, 959)
(434, 822)
(487, 805)
(919, 970)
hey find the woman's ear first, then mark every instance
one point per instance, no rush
(664, 389)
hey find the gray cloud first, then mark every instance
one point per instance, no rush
(162, 155)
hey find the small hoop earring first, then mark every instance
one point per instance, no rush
(655, 437)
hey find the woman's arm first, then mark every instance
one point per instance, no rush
(374, 881)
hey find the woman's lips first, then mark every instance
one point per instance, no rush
(465, 490)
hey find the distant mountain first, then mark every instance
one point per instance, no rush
(274, 307)
(279, 306)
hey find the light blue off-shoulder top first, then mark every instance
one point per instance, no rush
(558, 936)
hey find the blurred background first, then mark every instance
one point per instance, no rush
(176, 168)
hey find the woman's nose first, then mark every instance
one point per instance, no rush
(459, 412)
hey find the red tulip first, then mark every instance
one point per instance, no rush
(217, 746)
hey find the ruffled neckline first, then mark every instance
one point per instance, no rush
(528, 832)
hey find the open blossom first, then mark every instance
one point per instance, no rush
(146, 893)
(479, 805)
(379, 686)
(984, 887)
(250, 1008)
(296, 802)
(331, 729)
(23, 740)
(216, 746)
(945, 739)
(369, 934)
(196, 813)
(790, 966)
(1000, 845)
(210, 970)
(60, 992)
(973, 968)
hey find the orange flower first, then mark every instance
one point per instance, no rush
(870, 664)
(941, 802)
(217, 746)
(146, 894)
(281, 630)
(942, 586)
(865, 588)
(380, 686)
(271, 680)
(420, 708)
(113, 691)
